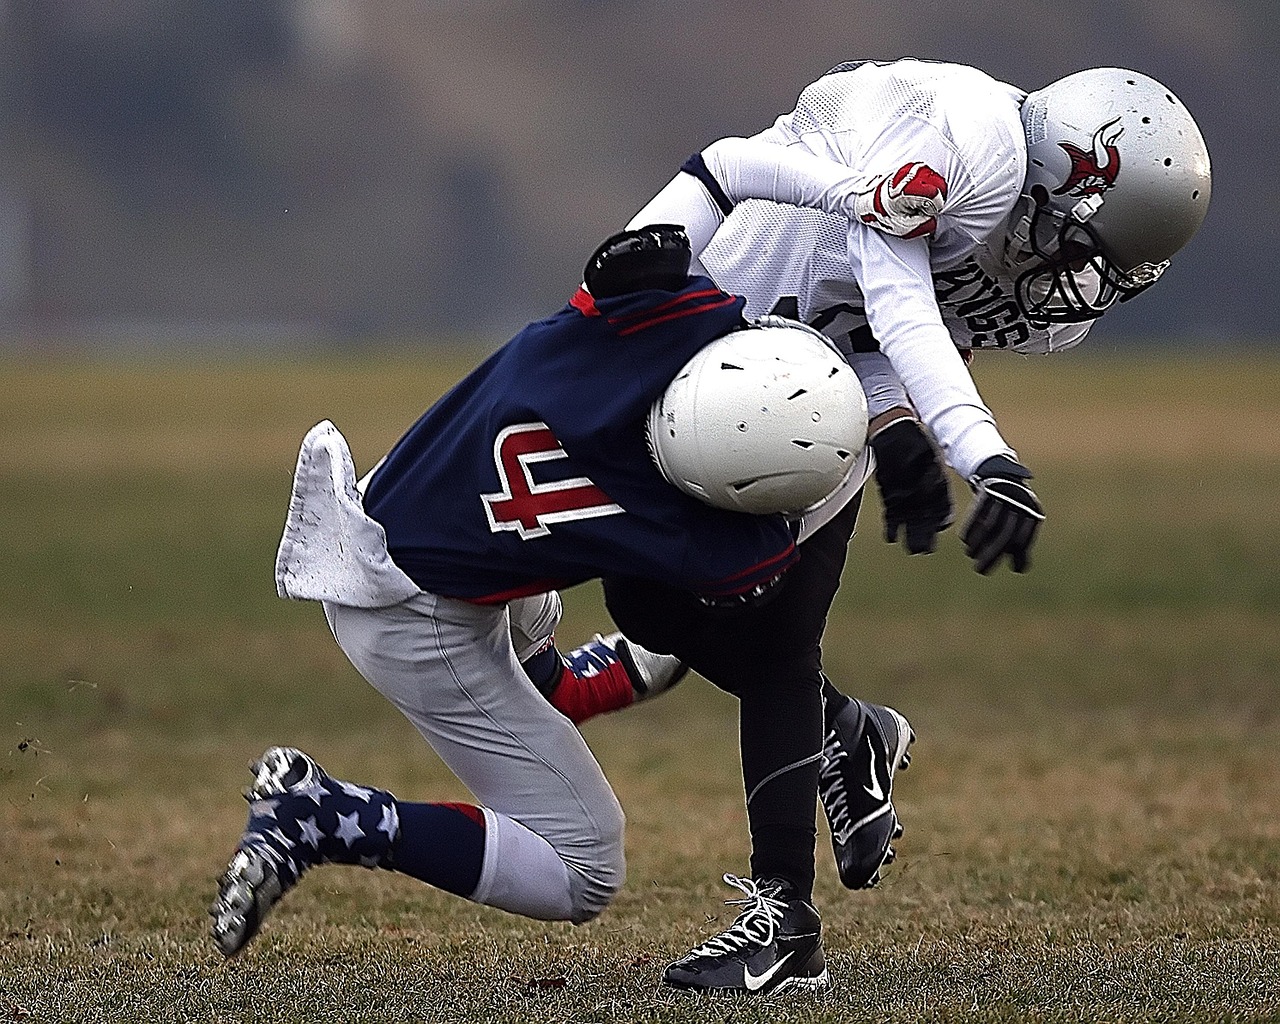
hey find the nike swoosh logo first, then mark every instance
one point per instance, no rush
(755, 982)
(875, 790)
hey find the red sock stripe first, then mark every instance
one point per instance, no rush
(470, 810)
(581, 697)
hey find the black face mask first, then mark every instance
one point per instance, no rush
(1073, 282)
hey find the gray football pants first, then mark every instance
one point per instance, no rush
(450, 668)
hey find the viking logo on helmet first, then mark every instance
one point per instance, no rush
(1093, 171)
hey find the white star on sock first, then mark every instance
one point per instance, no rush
(349, 829)
(390, 823)
(314, 792)
(351, 789)
(263, 808)
(311, 834)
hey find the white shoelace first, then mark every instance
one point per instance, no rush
(756, 924)
(835, 797)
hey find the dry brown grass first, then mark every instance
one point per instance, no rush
(1093, 829)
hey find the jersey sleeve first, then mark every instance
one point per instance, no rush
(921, 204)
(903, 314)
(880, 382)
(914, 184)
(684, 200)
(731, 170)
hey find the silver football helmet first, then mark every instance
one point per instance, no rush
(1118, 181)
(766, 419)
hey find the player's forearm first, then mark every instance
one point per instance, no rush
(903, 315)
(685, 201)
(755, 169)
(945, 398)
(880, 383)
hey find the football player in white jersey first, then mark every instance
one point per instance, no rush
(913, 212)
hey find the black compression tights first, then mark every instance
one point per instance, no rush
(770, 657)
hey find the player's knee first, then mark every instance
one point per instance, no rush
(598, 869)
(533, 621)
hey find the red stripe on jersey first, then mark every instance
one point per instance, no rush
(706, 307)
(584, 303)
(527, 589)
(725, 585)
(784, 553)
(662, 307)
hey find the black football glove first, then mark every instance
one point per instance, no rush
(913, 486)
(656, 256)
(1004, 517)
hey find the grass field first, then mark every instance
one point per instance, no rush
(1093, 813)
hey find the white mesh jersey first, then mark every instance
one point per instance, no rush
(918, 273)
(874, 118)
(794, 262)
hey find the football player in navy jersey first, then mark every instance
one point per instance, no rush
(508, 487)
(982, 217)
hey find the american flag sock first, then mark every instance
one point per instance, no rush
(593, 681)
(337, 822)
(328, 821)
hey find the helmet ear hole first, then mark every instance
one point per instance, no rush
(763, 420)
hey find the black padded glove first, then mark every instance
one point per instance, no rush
(656, 256)
(1004, 517)
(913, 486)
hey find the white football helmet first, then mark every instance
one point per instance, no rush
(766, 419)
(1118, 181)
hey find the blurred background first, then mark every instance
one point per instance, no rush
(243, 172)
(345, 199)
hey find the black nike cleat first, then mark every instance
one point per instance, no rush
(775, 944)
(865, 745)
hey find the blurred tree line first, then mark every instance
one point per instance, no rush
(356, 169)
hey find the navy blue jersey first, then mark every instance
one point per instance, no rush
(533, 472)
